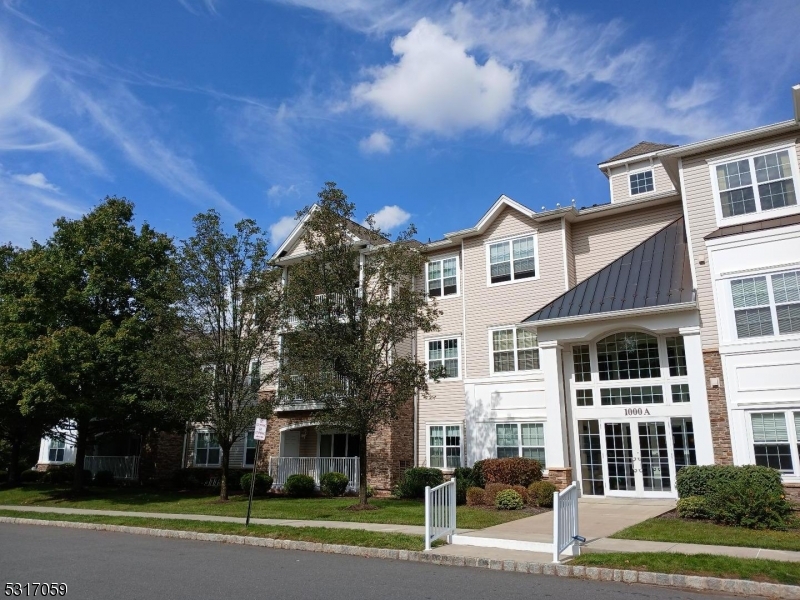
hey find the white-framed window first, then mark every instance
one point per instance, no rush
(766, 305)
(249, 449)
(56, 452)
(776, 440)
(520, 439)
(206, 451)
(512, 260)
(335, 444)
(444, 446)
(444, 356)
(441, 277)
(754, 183)
(513, 349)
(641, 182)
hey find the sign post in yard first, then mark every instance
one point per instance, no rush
(259, 435)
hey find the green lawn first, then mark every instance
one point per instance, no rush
(756, 569)
(322, 535)
(390, 510)
(705, 532)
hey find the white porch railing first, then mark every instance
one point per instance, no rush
(565, 522)
(440, 512)
(280, 467)
(123, 467)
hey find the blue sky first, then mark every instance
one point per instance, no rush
(422, 112)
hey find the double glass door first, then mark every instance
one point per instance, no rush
(637, 457)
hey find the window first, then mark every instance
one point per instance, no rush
(56, 453)
(641, 182)
(583, 366)
(584, 397)
(514, 350)
(206, 450)
(646, 394)
(442, 277)
(591, 458)
(339, 445)
(676, 356)
(753, 305)
(683, 443)
(444, 446)
(771, 441)
(680, 392)
(250, 449)
(444, 358)
(512, 260)
(255, 375)
(523, 439)
(629, 355)
(773, 186)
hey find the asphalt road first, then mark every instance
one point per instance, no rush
(103, 565)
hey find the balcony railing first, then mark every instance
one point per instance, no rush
(338, 300)
(299, 393)
(123, 467)
(281, 467)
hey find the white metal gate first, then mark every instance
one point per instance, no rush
(440, 512)
(565, 522)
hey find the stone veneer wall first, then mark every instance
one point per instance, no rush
(561, 478)
(718, 409)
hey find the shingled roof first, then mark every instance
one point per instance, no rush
(638, 149)
(657, 272)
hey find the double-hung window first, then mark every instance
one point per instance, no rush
(772, 445)
(512, 260)
(442, 277)
(444, 358)
(514, 349)
(206, 451)
(756, 183)
(520, 439)
(250, 448)
(641, 182)
(444, 446)
(56, 453)
(765, 304)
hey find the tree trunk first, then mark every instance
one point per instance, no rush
(223, 482)
(80, 457)
(13, 467)
(362, 469)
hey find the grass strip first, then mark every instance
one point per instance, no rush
(322, 535)
(706, 565)
(704, 532)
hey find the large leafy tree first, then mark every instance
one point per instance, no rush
(356, 310)
(231, 308)
(104, 295)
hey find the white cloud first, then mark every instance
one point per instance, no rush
(376, 143)
(435, 85)
(281, 191)
(281, 229)
(209, 6)
(37, 180)
(390, 217)
(522, 134)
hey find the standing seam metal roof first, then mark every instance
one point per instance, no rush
(657, 272)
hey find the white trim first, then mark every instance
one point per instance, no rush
(516, 371)
(652, 170)
(510, 241)
(759, 213)
(294, 235)
(788, 415)
(244, 447)
(444, 425)
(519, 423)
(441, 259)
(502, 202)
(614, 314)
(443, 338)
(464, 319)
(731, 138)
(197, 433)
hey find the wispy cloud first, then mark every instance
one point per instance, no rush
(198, 6)
(376, 143)
(282, 191)
(37, 180)
(281, 229)
(390, 217)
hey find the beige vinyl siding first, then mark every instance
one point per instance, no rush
(620, 181)
(237, 452)
(488, 306)
(308, 445)
(598, 242)
(570, 249)
(296, 250)
(444, 406)
(700, 206)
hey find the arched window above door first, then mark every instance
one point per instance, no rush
(628, 355)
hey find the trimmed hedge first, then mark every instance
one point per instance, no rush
(262, 485)
(511, 471)
(414, 481)
(65, 475)
(334, 484)
(476, 496)
(699, 480)
(299, 486)
(541, 493)
(523, 493)
(478, 480)
(693, 507)
(492, 489)
(30, 476)
(508, 500)
(464, 481)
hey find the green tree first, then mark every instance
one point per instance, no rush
(350, 347)
(104, 294)
(231, 308)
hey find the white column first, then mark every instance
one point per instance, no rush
(701, 420)
(555, 438)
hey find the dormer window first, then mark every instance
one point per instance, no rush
(642, 182)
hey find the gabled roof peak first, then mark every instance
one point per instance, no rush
(643, 147)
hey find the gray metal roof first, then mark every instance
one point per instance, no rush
(657, 272)
(642, 147)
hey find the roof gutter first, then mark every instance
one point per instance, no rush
(614, 314)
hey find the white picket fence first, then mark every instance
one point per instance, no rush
(280, 467)
(565, 522)
(440, 512)
(123, 467)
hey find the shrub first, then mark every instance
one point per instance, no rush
(463, 477)
(370, 491)
(476, 496)
(508, 500)
(478, 480)
(104, 478)
(523, 493)
(334, 484)
(299, 486)
(492, 489)
(541, 493)
(512, 471)
(693, 507)
(414, 481)
(699, 480)
(262, 485)
(65, 475)
(738, 502)
(30, 476)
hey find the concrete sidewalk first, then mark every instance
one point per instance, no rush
(620, 545)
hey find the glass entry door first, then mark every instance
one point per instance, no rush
(637, 457)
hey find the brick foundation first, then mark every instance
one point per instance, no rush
(561, 478)
(718, 409)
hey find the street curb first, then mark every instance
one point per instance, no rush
(686, 582)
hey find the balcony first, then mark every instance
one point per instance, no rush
(298, 397)
(338, 300)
